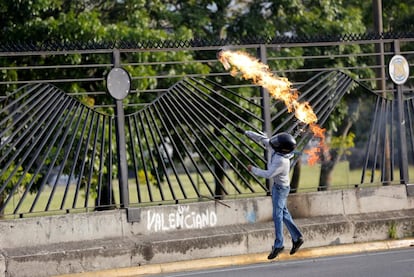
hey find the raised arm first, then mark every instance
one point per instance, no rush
(257, 137)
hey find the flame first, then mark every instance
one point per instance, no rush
(304, 112)
(279, 88)
(315, 153)
(317, 131)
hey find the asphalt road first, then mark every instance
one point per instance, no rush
(395, 263)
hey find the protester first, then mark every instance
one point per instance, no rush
(282, 146)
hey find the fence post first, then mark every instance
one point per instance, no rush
(119, 90)
(265, 102)
(402, 139)
(381, 84)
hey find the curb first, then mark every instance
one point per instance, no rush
(245, 259)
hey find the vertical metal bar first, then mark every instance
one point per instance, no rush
(121, 143)
(410, 112)
(391, 141)
(381, 85)
(186, 152)
(371, 138)
(159, 147)
(134, 158)
(206, 116)
(203, 128)
(77, 153)
(379, 47)
(69, 113)
(101, 161)
(175, 110)
(69, 149)
(217, 107)
(387, 142)
(402, 139)
(381, 135)
(45, 140)
(170, 160)
(154, 153)
(142, 155)
(186, 117)
(53, 118)
(48, 119)
(92, 159)
(84, 159)
(265, 101)
(110, 160)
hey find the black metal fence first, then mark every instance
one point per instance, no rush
(60, 129)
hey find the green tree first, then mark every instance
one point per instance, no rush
(307, 18)
(64, 21)
(67, 21)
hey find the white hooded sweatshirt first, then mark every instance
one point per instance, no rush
(279, 166)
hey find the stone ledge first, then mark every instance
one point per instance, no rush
(95, 255)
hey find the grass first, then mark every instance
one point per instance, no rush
(392, 230)
(342, 178)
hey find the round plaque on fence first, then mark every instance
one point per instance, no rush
(118, 83)
(399, 69)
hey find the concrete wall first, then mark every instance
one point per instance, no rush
(352, 201)
(146, 220)
(54, 245)
(37, 231)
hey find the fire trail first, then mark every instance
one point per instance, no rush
(241, 63)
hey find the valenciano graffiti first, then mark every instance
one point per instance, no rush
(182, 218)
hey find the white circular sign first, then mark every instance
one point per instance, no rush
(118, 83)
(399, 69)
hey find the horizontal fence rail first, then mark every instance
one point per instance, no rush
(183, 120)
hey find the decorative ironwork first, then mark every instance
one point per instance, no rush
(23, 46)
(55, 146)
(59, 155)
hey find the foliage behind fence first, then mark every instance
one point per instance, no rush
(58, 124)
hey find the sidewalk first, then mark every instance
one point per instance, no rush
(246, 259)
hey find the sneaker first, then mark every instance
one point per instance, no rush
(275, 252)
(296, 245)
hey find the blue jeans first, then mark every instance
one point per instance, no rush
(281, 215)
